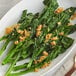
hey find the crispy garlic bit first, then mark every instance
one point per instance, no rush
(70, 24)
(35, 62)
(45, 53)
(59, 10)
(53, 43)
(39, 27)
(16, 26)
(8, 30)
(36, 70)
(45, 65)
(38, 33)
(61, 33)
(59, 23)
(20, 32)
(16, 42)
(42, 58)
(54, 38)
(26, 33)
(38, 30)
(73, 16)
(22, 38)
(48, 36)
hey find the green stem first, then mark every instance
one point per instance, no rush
(20, 67)
(4, 47)
(12, 65)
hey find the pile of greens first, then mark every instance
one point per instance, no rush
(40, 37)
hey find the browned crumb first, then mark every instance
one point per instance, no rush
(8, 30)
(16, 26)
(45, 53)
(42, 58)
(59, 10)
(22, 38)
(69, 24)
(35, 62)
(54, 38)
(20, 32)
(73, 16)
(36, 70)
(48, 36)
(61, 33)
(39, 27)
(16, 42)
(45, 65)
(26, 33)
(53, 43)
(39, 61)
(38, 33)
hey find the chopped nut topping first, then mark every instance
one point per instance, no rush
(48, 36)
(36, 70)
(45, 53)
(61, 33)
(20, 32)
(16, 42)
(16, 26)
(54, 38)
(38, 33)
(45, 65)
(53, 43)
(35, 61)
(73, 16)
(39, 60)
(22, 38)
(59, 23)
(26, 33)
(39, 27)
(42, 58)
(59, 10)
(69, 24)
(8, 30)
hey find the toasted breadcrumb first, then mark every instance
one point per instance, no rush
(61, 33)
(59, 10)
(16, 42)
(35, 62)
(45, 65)
(20, 32)
(8, 30)
(48, 36)
(38, 33)
(73, 16)
(45, 53)
(36, 70)
(39, 28)
(69, 24)
(53, 43)
(54, 38)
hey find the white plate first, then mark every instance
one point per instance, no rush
(34, 6)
